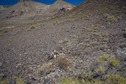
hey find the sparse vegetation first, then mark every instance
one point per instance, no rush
(63, 63)
(19, 80)
(3, 31)
(44, 47)
(114, 62)
(4, 82)
(104, 57)
(115, 79)
(68, 81)
(110, 18)
(87, 75)
(109, 79)
(45, 69)
(80, 81)
(101, 69)
(90, 77)
(71, 42)
(33, 26)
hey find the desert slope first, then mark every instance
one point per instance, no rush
(84, 45)
(31, 10)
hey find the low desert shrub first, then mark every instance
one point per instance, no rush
(110, 18)
(114, 62)
(19, 80)
(68, 80)
(115, 79)
(103, 58)
(4, 82)
(77, 81)
(63, 63)
(101, 69)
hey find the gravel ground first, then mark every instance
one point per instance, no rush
(44, 52)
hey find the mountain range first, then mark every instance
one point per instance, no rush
(30, 8)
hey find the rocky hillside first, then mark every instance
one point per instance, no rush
(30, 9)
(24, 9)
(92, 8)
(54, 8)
(86, 45)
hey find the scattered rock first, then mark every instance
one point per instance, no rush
(53, 55)
(34, 79)
(124, 35)
(96, 75)
(121, 51)
(45, 69)
(1, 64)
(47, 81)
(26, 53)
(18, 65)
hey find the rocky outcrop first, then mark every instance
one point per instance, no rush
(59, 4)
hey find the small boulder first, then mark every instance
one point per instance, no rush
(124, 35)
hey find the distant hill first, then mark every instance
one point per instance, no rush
(58, 5)
(61, 3)
(2, 7)
(31, 8)
(28, 8)
(29, 4)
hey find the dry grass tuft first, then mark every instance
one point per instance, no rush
(63, 63)
(4, 82)
(110, 18)
(19, 80)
